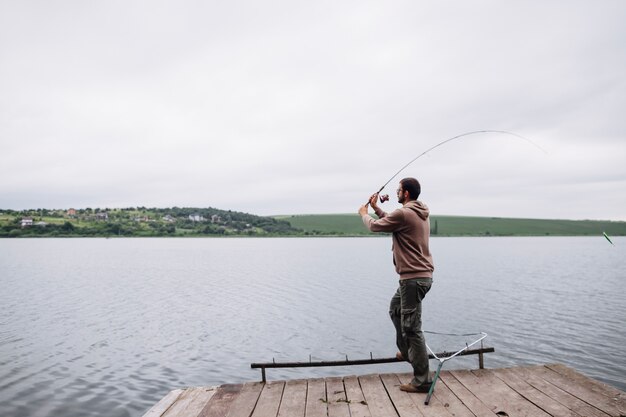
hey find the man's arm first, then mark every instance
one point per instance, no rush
(386, 222)
(389, 223)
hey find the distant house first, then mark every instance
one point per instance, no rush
(216, 219)
(41, 224)
(169, 218)
(27, 221)
(196, 218)
(71, 212)
(142, 219)
(102, 216)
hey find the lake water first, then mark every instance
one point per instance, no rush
(107, 327)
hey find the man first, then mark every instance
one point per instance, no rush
(410, 228)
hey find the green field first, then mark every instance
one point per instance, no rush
(351, 225)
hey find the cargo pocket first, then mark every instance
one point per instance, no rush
(410, 321)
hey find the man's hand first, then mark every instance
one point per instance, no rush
(363, 210)
(374, 201)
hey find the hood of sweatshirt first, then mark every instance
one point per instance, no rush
(418, 207)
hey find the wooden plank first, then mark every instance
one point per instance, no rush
(433, 409)
(473, 403)
(200, 400)
(178, 409)
(573, 403)
(450, 402)
(497, 395)
(221, 401)
(269, 400)
(166, 402)
(400, 399)
(584, 392)
(244, 404)
(376, 396)
(356, 402)
(316, 401)
(596, 386)
(294, 399)
(336, 395)
(541, 400)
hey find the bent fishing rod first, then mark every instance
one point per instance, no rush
(385, 197)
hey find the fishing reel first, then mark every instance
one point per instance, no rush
(382, 198)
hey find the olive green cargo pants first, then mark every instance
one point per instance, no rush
(405, 310)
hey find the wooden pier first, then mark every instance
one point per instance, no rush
(542, 391)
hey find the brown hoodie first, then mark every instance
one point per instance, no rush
(410, 228)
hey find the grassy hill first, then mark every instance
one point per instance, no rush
(351, 225)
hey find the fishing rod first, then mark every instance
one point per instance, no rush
(385, 197)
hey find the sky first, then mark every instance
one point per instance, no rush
(302, 107)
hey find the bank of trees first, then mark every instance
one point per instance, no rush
(140, 221)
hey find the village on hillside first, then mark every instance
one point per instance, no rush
(138, 221)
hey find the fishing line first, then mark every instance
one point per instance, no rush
(450, 140)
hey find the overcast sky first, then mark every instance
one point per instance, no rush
(287, 107)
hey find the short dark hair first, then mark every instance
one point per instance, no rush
(412, 186)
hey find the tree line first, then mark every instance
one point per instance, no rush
(139, 221)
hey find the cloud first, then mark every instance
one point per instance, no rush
(291, 107)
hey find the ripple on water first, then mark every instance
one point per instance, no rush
(108, 327)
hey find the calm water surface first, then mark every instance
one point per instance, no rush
(108, 326)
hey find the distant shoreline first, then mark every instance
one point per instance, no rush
(208, 222)
(300, 236)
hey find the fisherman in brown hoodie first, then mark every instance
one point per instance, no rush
(410, 229)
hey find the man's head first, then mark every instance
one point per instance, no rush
(408, 190)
